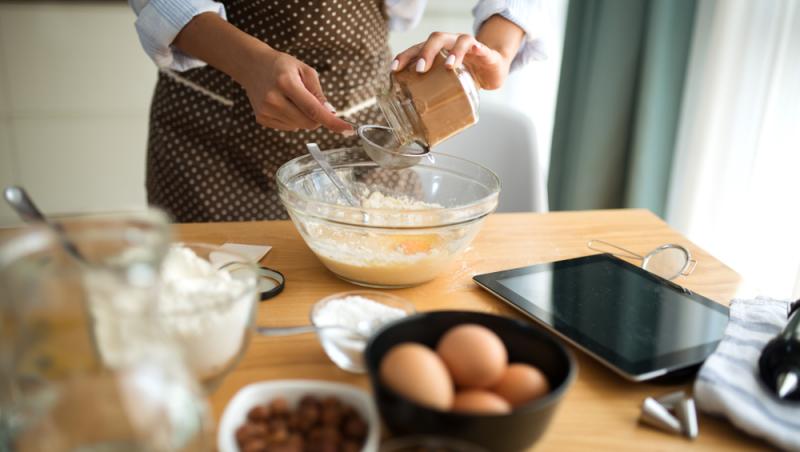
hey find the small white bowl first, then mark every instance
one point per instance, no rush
(254, 394)
(345, 349)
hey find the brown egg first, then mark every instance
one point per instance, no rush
(474, 355)
(521, 383)
(416, 372)
(478, 401)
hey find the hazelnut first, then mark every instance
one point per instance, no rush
(296, 439)
(250, 431)
(331, 435)
(316, 425)
(315, 435)
(279, 433)
(285, 447)
(331, 402)
(242, 434)
(331, 415)
(320, 447)
(309, 400)
(351, 446)
(258, 413)
(309, 415)
(279, 407)
(355, 427)
(255, 445)
(347, 411)
(259, 430)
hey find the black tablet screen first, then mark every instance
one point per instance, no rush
(618, 311)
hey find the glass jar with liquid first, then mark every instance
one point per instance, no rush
(430, 107)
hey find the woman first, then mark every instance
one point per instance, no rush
(275, 69)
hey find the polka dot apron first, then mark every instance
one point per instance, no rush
(208, 159)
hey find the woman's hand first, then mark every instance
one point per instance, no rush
(285, 94)
(488, 66)
(487, 56)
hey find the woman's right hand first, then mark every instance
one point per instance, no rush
(285, 94)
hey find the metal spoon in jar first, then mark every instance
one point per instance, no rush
(18, 199)
(317, 154)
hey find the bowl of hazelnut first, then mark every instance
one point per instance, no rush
(299, 415)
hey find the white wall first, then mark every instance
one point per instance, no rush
(75, 90)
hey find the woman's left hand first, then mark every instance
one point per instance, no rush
(487, 65)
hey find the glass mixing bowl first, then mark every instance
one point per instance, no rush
(411, 222)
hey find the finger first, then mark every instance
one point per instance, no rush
(403, 58)
(283, 108)
(280, 124)
(311, 82)
(460, 49)
(436, 42)
(479, 50)
(479, 55)
(299, 95)
(275, 123)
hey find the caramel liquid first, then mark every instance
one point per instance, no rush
(439, 99)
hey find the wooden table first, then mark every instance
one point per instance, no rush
(600, 411)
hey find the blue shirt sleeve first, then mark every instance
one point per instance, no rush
(404, 14)
(158, 22)
(530, 15)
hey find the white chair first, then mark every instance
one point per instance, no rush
(504, 140)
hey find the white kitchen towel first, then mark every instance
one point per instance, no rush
(252, 252)
(729, 385)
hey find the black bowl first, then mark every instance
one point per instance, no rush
(525, 343)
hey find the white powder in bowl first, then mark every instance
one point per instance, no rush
(205, 309)
(356, 313)
(359, 314)
(377, 200)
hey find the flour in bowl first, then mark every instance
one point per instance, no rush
(377, 200)
(205, 309)
(359, 314)
(356, 313)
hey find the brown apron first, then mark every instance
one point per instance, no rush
(208, 159)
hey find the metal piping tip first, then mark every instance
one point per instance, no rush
(686, 413)
(656, 415)
(787, 383)
(671, 400)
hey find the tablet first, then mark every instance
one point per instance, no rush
(638, 324)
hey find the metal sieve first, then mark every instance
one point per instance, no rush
(383, 147)
(667, 261)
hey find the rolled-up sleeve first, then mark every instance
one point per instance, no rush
(404, 14)
(530, 15)
(158, 22)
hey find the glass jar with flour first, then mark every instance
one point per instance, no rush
(84, 364)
